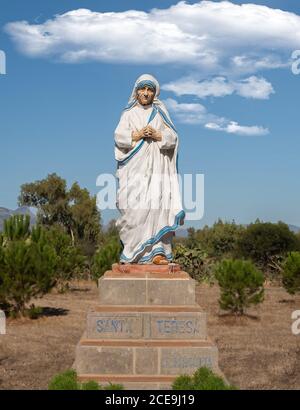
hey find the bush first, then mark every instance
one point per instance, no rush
(241, 285)
(105, 256)
(194, 261)
(220, 240)
(3, 301)
(67, 380)
(70, 260)
(33, 312)
(263, 241)
(17, 227)
(203, 379)
(90, 385)
(32, 263)
(183, 382)
(26, 271)
(291, 273)
(113, 386)
(64, 381)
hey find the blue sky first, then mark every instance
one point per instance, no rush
(225, 75)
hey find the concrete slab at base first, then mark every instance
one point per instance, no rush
(146, 289)
(142, 382)
(133, 357)
(148, 268)
(186, 360)
(93, 359)
(147, 386)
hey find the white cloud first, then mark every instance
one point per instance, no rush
(248, 64)
(254, 87)
(209, 35)
(226, 44)
(217, 87)
(188, 113)
(234, 128)
(251, 87)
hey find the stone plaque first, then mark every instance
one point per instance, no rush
(187, 360)
(177, 326)
(105, 326)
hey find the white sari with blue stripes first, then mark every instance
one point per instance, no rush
(148, 195)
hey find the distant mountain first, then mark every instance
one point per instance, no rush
(6, 213)
(182, 233)
(294, 228)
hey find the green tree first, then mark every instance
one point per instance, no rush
(31, 263)
(17, 227)
(291, 273)
(262, 242)
(70, 259)
(73, 209)
(112, 229)
(27, 271)
(85, 216)
(191, 240)
(2, 292)
(218, 240)
(105, 256)
(241, 285)
(50, 197)
(109, 233)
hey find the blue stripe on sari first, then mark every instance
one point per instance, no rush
(131, 105)
(132, 153)
(157, 251)
(145, 83)
(155, 238)
(166, 119)
(139, 146)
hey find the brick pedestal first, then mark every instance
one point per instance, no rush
(146, 330)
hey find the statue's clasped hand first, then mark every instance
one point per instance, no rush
(147, 132)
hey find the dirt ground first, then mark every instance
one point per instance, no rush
(258, 351)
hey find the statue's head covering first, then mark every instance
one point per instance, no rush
(150, 81)
(142, 81)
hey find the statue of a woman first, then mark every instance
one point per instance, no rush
(148, 197)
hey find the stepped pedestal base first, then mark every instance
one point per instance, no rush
(146, 330)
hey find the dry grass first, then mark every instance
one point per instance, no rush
(33, 351)
(257, 351)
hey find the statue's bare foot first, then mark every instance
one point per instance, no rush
(160, 260)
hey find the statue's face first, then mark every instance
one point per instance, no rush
(145, 95)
